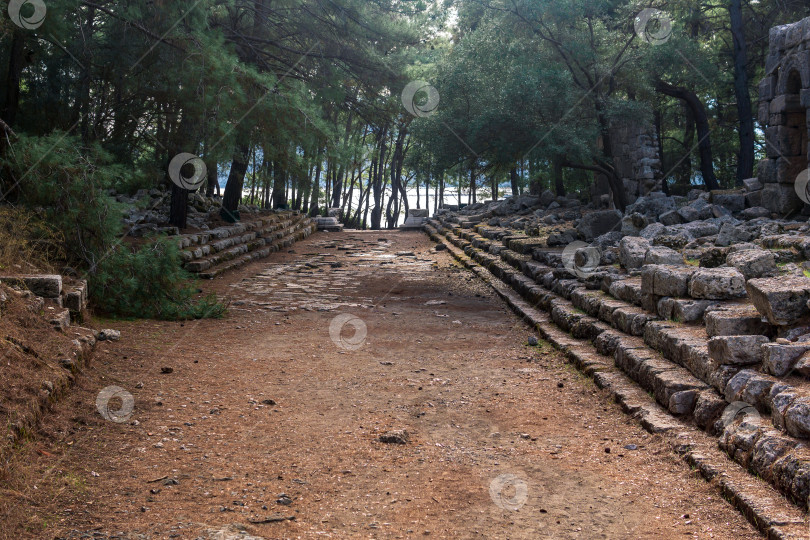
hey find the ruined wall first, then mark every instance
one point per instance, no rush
(635, 155)
(784, 96)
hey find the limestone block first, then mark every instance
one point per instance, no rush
(664, 280)
(780, 198)
(778, 359)
(753, 263)
(782, 300)
(663, 255)
(767, 88)
(741, 350)
(797, 417)
(730, 199)
(717, 284)
(735, 321)
(46, 286)
(632, 251)
(708, 408)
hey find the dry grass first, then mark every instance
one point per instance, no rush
(27, 244)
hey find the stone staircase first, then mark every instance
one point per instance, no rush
(694, 339)
(208, 254)
(62, 300)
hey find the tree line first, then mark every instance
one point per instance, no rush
(300, 103)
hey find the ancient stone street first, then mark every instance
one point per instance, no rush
(271, 422)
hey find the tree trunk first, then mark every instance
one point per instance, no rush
(745, 164)
(513, 178)
(16, 63)
(316, 187)
(279, 183)
(616, 187)
(703, 131)
(236, 178)
(559, 185)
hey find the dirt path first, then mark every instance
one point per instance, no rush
(506, 441)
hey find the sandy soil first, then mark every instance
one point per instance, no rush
(505, 440)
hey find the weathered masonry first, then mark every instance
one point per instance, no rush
(784, 96)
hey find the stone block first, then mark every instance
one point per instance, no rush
(779, 359)
(753, 263)
(781, 198)
(735, 321)
(752, 184)
(764, 113)
(663, 280)
(797, 417)
(767, 88)
(766, 171)
(632, 251)
(731, 199)
(717, 284)
(708, 409)
(782, 300)
(663, 255)
(44, 285)
(598, 223)
(670, 218)
(737, 350)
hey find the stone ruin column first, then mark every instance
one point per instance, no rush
(636, 159)
(784, 96)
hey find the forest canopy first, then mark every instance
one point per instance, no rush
(374, 106)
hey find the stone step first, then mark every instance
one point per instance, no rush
(301, 231)
(214, 244)
(228, 249)
(761, 420)
(236, 229)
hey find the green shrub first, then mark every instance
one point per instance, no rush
(67, 185)
(148, 282)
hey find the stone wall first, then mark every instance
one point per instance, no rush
(637, 161)
(784, 96)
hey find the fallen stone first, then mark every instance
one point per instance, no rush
(109, 335)
(778, 359)
(632, 251)
(398, 436)
(782, 300)
(598, 223)
(663, 255)
(753, 263)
